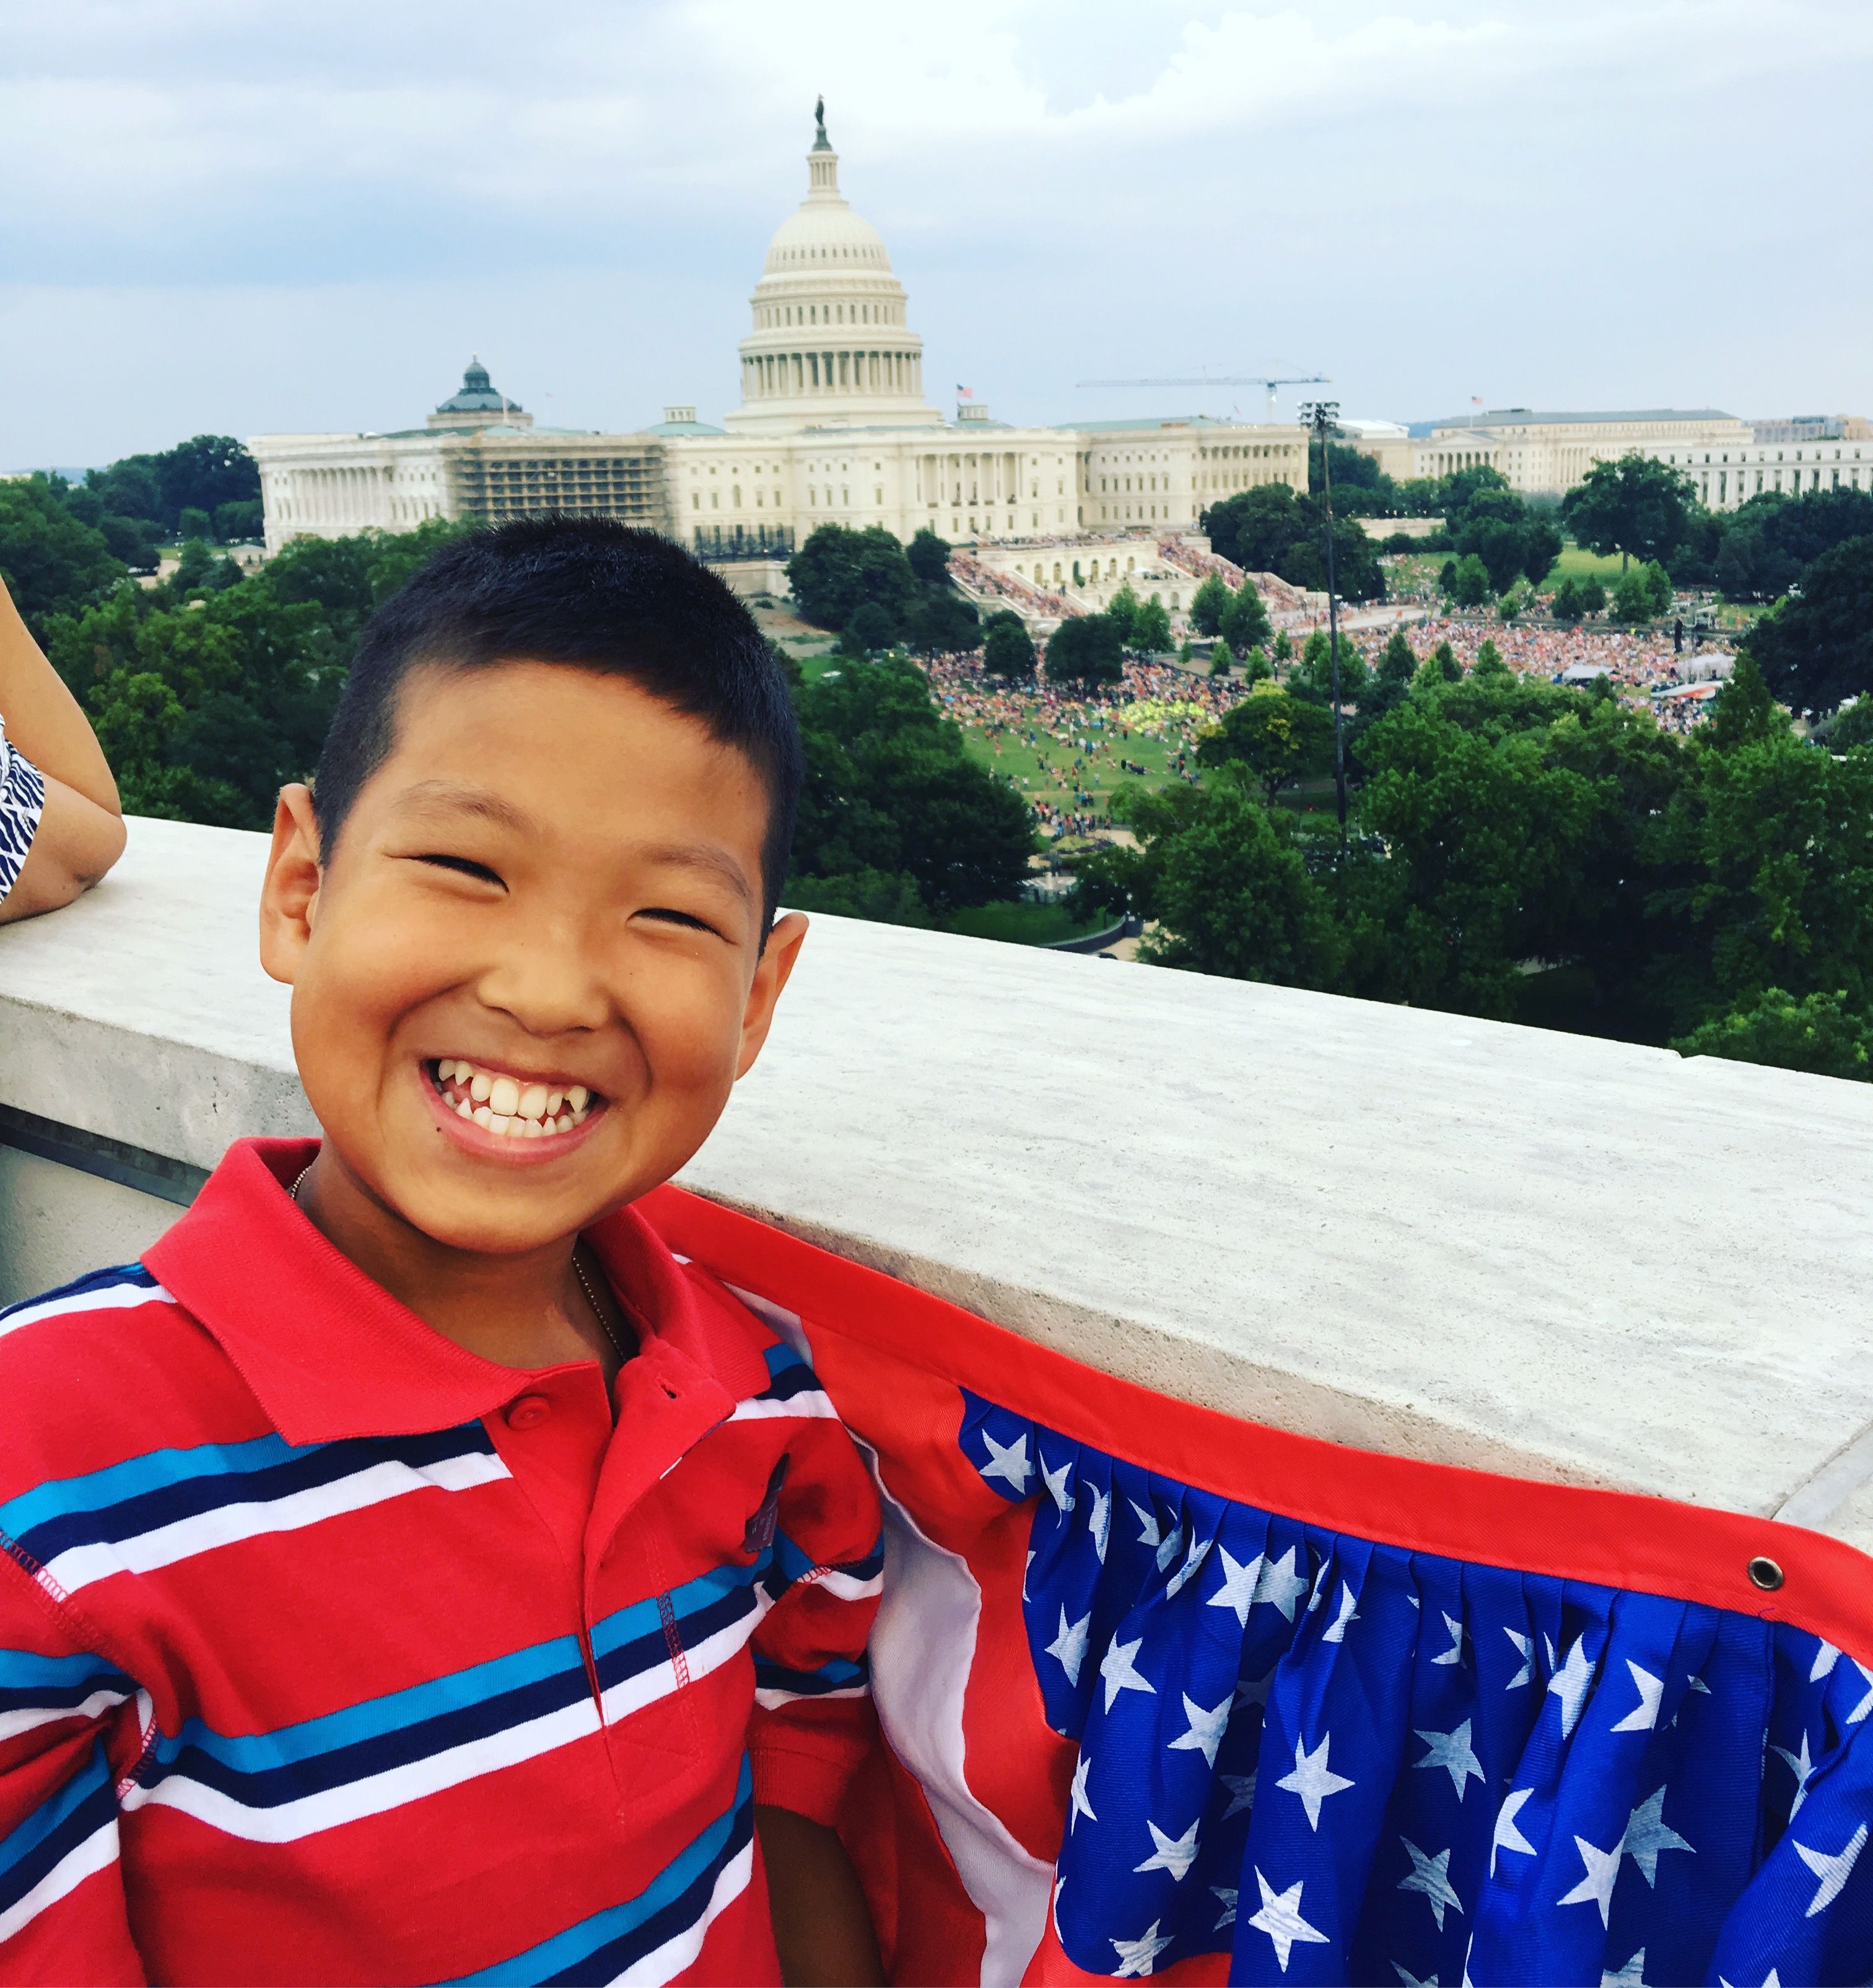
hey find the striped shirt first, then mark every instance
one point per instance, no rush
(330, 1652)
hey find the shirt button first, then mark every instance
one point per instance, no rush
(529, 1412)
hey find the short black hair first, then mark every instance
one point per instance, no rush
(594, 595)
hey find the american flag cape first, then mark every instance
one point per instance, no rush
(1167, 1693)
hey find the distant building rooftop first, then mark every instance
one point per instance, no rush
(1493, 417)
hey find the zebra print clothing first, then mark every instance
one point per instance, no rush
(23, 799)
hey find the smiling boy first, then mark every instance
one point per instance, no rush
(413, 1572)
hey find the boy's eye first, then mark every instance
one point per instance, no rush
(665, 914)
(464, 866)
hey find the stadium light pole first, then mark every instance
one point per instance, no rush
(1322, 418)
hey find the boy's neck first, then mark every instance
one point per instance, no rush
(529, 1309)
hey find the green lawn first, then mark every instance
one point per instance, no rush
(1576, 563)
(1022, 923)
(1047, 768)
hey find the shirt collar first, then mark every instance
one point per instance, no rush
(330, 1354)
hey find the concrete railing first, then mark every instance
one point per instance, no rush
(1415, 1232)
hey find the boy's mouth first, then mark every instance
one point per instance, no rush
(509, 1106)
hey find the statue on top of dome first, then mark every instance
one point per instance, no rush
(820, 143)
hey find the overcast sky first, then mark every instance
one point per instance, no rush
(249, 215)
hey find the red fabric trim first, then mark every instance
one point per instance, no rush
(1613, 1539)
(808, 1784)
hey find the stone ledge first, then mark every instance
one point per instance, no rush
(1442, 1238)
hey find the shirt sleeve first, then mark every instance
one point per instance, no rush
(814, 1723)
(62, 1914)
(22, 801)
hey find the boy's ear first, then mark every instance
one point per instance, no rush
(289, 897)
(771, 975)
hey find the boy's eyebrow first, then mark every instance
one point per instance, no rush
(701, 856)
(444, 797)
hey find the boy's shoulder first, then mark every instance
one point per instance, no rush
(109, 1366)
(760, 1351)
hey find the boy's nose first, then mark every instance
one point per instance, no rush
(549, 990)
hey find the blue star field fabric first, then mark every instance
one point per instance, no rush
(1334, 1760)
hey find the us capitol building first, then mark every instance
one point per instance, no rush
(833, 428)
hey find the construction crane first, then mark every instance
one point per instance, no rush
(1226, 379)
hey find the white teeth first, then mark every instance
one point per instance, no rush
(498, 1122)
(479, 1088)
(503, 1096)
(481, 1116)
(532, 1103)
(530, 1128)
(554, 1099)
(447, 1068)
(563, 1123)
(576, 1096)
(465, 1109)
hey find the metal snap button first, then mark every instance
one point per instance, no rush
(529, 1412)
(1765, 1573)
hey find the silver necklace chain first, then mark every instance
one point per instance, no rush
(585, 1282)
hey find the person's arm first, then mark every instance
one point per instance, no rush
(822, 1927)
(80, 831)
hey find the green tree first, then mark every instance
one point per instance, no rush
(1658, 589)
(1567, 605)
(1632, 598)
(193, 523)
(940, 622)
(1853, 727)
(869, 629)
(202, 474)
(838, 569)
(1312, 678)
(1122, 610)
(1007, 648)
(1086, 648)
(890, 791)
(1245, 624)
(1469, 586)
(237, 522)
(928, 558)
(1276, 739)
(1593, 595)
(1233, 895)
(1151, 629)
(51, 564)
(1818, 1032)
(1256, 668)
(1208, 605)
(1638, 507)
(1817, 647)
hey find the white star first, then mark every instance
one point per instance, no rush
(1100, 1525)
(1696, 1683)
(1866, 1704)
(1452, 1750)
(1569, 1684)
(1027, 1567)
(1058, 1489)
(1524, 1645)
(1647, 1835)
(1595, 1888)
(1192, 1560)
(1410, 1980)
(1175, 1854)
(1508, 1835)
(1206, 1733)
(1149, 1535)
(1278, 1583)
(1238, 1589)
(1802, 1767)
(1319, 1589)
(1117, 1669)
(1280, 1918)
(1825, 1658)
(1135, 1956)
(1069, 1645)
(1632, 1974)
(1242, 1792)
(1079, 1806)
(1170, 1547)
(1228, 1899)
(1430, 1876)
(1312, 1779)
(1643, 1715)
(1772, 1979)
(1007, 1461)
(1335, 1632)
(1833, 1871)
(1455, 1629)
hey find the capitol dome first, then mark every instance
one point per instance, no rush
(830, 346)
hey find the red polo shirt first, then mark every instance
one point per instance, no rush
(332, 1652)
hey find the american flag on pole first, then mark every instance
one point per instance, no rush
(1168, 1694)
(965, 393)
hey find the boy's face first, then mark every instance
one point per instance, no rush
(548, 897)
